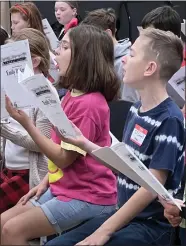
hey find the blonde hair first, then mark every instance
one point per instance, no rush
(38, 46)
(30, 13)
(167, 48)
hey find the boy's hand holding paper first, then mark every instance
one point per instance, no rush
(121, 158)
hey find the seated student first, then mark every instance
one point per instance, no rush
(140, 220)
(25, 163)
(167, 19)
(79, 188)
(106, 20)
(66, 13)
(25, 15)
(164, 18)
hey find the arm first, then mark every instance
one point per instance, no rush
(137, 203)
(45, 181)
(61, 157)
(23, 139)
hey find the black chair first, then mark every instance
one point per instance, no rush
(118, 115)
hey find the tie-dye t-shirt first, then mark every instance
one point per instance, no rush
(85, 179)
(157, 138)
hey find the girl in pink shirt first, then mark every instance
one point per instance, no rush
(77, 187)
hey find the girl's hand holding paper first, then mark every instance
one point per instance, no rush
(16, 114)
(79, 140)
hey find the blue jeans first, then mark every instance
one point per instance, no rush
(66, 215)
(137, 233)
(183, 236)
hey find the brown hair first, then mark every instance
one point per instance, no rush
(168, 50)
(102, 18)
(38, 46)
(72, 4)
(92, 62)
(3, 36)
(30, 13)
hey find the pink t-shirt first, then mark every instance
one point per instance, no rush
(86, 179)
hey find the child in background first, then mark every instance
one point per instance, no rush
(154, 132)
(79, 187)
(25, 15)
(105, 19)
(25, 162)
(66, 13)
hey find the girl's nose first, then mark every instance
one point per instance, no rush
(124, 59)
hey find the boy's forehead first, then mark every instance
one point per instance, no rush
(140, 43)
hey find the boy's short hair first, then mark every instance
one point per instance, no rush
(102, 18)
(164, 18)
(168, 50)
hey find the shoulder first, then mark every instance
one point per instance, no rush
(172, 117)
(88, 104)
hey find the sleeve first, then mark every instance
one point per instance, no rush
(169, 146)
(88, 128)
(23, 139)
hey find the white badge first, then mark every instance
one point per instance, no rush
(138, 135)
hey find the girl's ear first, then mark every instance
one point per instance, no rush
(74, 12)
(36, 61)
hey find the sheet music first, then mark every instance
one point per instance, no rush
(176, 87)
(183, 27)
(4, 113)
(14, 57)
(54, 42)
(53, 71)
(47, 100)
(121, 158)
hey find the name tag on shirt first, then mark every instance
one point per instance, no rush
(138, 135)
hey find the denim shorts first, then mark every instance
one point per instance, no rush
(66, 215)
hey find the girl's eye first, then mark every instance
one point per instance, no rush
(64, 47)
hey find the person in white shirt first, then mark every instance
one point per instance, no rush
(25, 165)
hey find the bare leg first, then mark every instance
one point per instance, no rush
(25, 227)
(12, 212)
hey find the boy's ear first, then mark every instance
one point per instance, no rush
(151, 68)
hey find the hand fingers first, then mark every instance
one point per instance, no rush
(168, 216)
(84, 242)
(25, 200)
(21, 200)
(27, 197)
(175, 221)
(9, 105)
(38, 194)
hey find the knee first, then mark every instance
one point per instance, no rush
(8, 231)
(3, 220)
